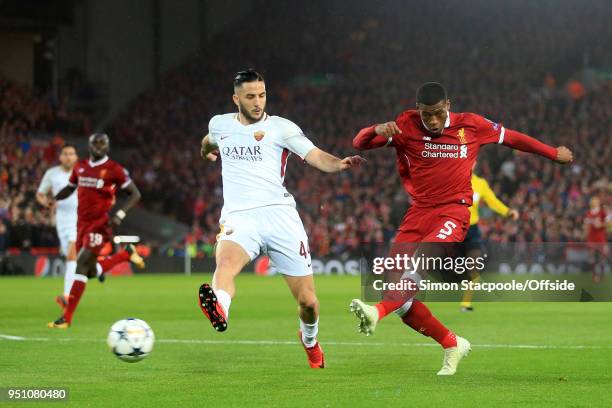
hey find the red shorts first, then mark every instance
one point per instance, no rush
(93, 235)
(443, 223)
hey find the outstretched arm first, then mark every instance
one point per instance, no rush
(329, 163)
(376, 136)
(133, 198)
(296, 142)
(520, 141)
(208, 149)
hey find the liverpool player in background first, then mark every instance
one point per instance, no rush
(595, 222)
(97, 180)
(436, 150)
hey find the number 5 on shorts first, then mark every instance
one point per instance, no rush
(447, 230)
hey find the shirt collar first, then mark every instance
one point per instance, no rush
(446, 124)
(264, 117)
(99, 162)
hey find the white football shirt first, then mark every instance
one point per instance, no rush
(254, 159)
(53, 181)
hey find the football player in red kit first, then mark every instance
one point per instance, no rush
(97, 180)
(435, 152)
(595, 223)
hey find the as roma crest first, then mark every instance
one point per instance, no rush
(259, 135)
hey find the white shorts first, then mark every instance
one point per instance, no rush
(276, 230)
(66, 234)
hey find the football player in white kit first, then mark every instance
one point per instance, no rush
(259, 213)
(52, 182)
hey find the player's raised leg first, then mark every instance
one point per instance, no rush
(303, 290)
(215, 301)
(129, 253)
(406, 241)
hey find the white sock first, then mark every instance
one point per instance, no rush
(309, 332)
(79, 277)
(403, 309)
(69, 272)
(98, 269)
(225, 299)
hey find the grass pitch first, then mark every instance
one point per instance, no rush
(523, 354)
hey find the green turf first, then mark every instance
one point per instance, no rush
(395, 367)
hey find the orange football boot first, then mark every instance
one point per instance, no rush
(211, 308)
(316, 359)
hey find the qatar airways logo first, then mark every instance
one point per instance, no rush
(246, 153)
(444, 151)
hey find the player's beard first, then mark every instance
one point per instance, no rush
(247, 114)
(98, 152)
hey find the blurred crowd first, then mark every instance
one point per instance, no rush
(345, 69)
(24, 157)
(361, 67)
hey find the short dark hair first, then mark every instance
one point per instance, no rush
(66, 146)
(249, 75)
(431, 93)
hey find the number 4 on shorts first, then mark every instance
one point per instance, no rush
(303, 250)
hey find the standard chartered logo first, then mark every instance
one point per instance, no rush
(444, 151)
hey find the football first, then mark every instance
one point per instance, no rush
(131, 340)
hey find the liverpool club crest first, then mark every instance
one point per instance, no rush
(461, 136)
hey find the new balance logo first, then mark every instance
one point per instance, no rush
(426, 138)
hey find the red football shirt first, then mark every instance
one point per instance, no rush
(97, 184)
(596, 223)
(440, 166)
(437, 168)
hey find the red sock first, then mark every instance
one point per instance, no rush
(78, 287)
(110, 261)
(394, 299)
(419, 317)
(387, 306)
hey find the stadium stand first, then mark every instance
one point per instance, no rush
(333, 82)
